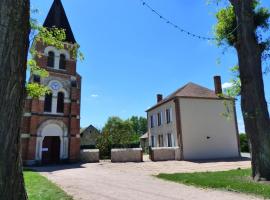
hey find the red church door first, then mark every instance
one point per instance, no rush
(51, 150)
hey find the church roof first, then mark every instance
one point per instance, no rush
(57, 18)
(190, 90)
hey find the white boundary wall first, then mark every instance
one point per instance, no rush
(127, 155)
(165, 153)
(89, 155)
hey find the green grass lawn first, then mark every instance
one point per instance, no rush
(234, 180)
(40, 188)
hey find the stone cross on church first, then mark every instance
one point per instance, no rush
(50, 130)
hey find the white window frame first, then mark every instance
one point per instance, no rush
(170, 140)
(152, 141)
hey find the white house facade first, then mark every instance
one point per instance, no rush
(198, 121)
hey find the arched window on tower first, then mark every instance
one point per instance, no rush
(62, 62)
(48, 103)
(60, 102)
(50, 61)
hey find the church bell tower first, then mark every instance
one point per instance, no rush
(50, 130)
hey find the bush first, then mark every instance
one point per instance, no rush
(117, 133)
(244, 144)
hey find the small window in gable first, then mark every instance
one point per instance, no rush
(62, 62)
(50, 61)
(60, 102)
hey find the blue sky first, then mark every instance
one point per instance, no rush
(131, 55)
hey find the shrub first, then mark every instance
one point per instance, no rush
(244, 144)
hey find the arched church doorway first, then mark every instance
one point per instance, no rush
(51, 150)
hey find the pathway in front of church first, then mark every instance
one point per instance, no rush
(134, 181)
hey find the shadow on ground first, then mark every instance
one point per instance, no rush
(53, 168)
(221, 160)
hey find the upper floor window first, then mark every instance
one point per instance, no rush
(152, 121)
(50, 61)
(169, 115)
(159, 118)
(60, 102)
(48, 103)
(62, 62)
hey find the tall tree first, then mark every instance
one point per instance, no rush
(250, 19)
(139, 124)
(14, 42)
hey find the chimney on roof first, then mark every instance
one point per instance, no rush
(218, 86)
(159, 98)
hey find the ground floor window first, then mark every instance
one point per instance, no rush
(152, 141)
(160, 141)
(169, 138)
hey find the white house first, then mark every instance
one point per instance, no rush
(197, 120)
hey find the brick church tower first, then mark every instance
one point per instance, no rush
(51, 125)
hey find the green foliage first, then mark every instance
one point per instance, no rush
(34, 69)
(234, 180)
(118, 133)
(36, 90)
(39, 188)
(235, 89)
(225, 26)
(139, 124)
(244, 143)
(104, 145)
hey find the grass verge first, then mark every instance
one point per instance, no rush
(234, 180)
(40, 188)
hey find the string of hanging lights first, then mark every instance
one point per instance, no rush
(189, 33)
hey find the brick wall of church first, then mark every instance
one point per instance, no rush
(34, 115)
(42, 61)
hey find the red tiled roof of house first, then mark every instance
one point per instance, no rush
(194, 90)
(191, 90)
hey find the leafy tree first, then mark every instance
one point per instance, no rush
(242, 25)
(139, 124)
(15, 29)
(14, 43)
(244, 143)
(117, 133)
(121, 132)
(104, 145)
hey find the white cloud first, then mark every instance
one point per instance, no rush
(227, 85)
(94, 95)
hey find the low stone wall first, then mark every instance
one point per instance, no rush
(165, 153)
(89, 155)
(127, 155)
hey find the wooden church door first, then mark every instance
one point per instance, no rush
(51, 150)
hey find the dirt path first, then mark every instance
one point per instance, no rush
(134, 181)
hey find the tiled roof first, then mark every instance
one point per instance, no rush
(190, 90)
(194, 90)
(57, 18)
